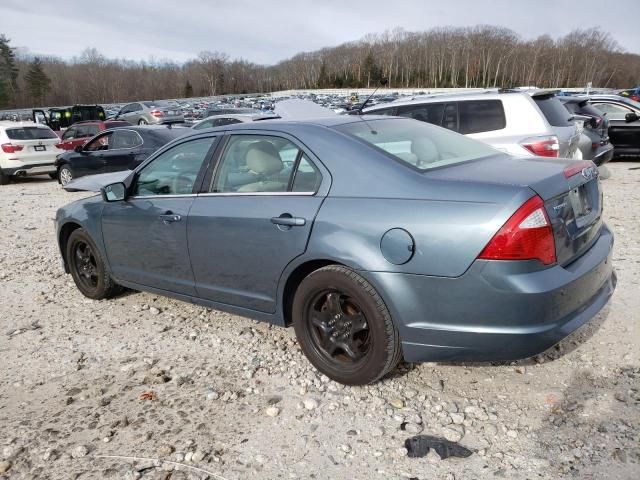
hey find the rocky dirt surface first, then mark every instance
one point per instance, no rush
(146, 387)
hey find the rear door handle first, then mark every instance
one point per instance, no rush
(170, 217)
(289, 221)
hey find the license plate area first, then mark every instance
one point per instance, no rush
(583, 204)
(40, 148)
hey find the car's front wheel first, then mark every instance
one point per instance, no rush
(87, 267)
(344, 328)
(65, 174)
(142, 121)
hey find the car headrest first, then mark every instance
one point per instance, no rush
(263, 158)
(425, 150)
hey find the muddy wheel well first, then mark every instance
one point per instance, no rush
(293, 282)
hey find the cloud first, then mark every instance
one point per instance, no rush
(267, 32)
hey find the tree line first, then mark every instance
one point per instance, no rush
(482, 56)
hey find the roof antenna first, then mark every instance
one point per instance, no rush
(383, 81)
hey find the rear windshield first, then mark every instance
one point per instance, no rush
(159, 103)
(417, 144)
(30, 133)
(554, 111)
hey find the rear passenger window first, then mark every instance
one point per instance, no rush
(430, 112)
(554, 111)
(307, 177)
(264, 164)
(255, 163)
(477, 116)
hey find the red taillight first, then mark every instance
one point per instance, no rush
(527, 235)
(543, 146)
(577, 167)
(157, 113)
(11, 148)
(60, 146)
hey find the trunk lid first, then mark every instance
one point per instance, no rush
(573, 202)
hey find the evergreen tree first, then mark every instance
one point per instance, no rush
(8, 73)
(38, 83)
(188, 90)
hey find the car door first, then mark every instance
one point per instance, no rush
(145, 236)
(623, 135)
(128, 113)
(91, 159)
(67, 139)
(124, 146)
(255, 218)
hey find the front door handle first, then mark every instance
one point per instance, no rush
(287, 220)
(170, 217)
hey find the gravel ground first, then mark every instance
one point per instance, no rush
(87, 385)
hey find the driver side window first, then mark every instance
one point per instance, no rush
(174, 172)
(99, 143)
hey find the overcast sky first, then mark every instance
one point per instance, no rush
(266, 31)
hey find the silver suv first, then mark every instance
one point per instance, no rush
(513, 121)
(151, 113)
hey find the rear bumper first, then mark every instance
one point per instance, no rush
(497, 310)
(30, 169)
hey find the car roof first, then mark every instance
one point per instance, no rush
(284, 125)
(467, 95)
(241, 116)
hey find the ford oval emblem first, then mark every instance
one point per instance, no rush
(590, 172)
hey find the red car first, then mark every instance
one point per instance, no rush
(80, 132)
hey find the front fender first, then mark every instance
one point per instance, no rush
(86, 214)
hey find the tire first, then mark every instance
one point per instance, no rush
(329, 307)
(142, 121)
(4, 179)
(87, 267)
(65, 175)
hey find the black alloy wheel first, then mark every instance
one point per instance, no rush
(88, 268)
(339, 329)
(343, 326)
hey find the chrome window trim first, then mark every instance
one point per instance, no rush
(257, 194)
(145, 197)
(228, 194)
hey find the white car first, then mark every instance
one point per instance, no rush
(515, 122)
(27, 149)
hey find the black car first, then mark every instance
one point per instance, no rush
(594, 143)
(624, 124)
(122, 148)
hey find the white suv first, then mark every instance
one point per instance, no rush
(532, 123)
(27, 149)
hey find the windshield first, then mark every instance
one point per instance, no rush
(158, 103)
(418, 144)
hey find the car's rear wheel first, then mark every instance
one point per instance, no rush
(88, 268)
(65, 174)
(344, 328)
(4, 179)
(142, 121)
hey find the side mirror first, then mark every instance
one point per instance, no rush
(78, 149)
(115, 192)
(631, 117)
